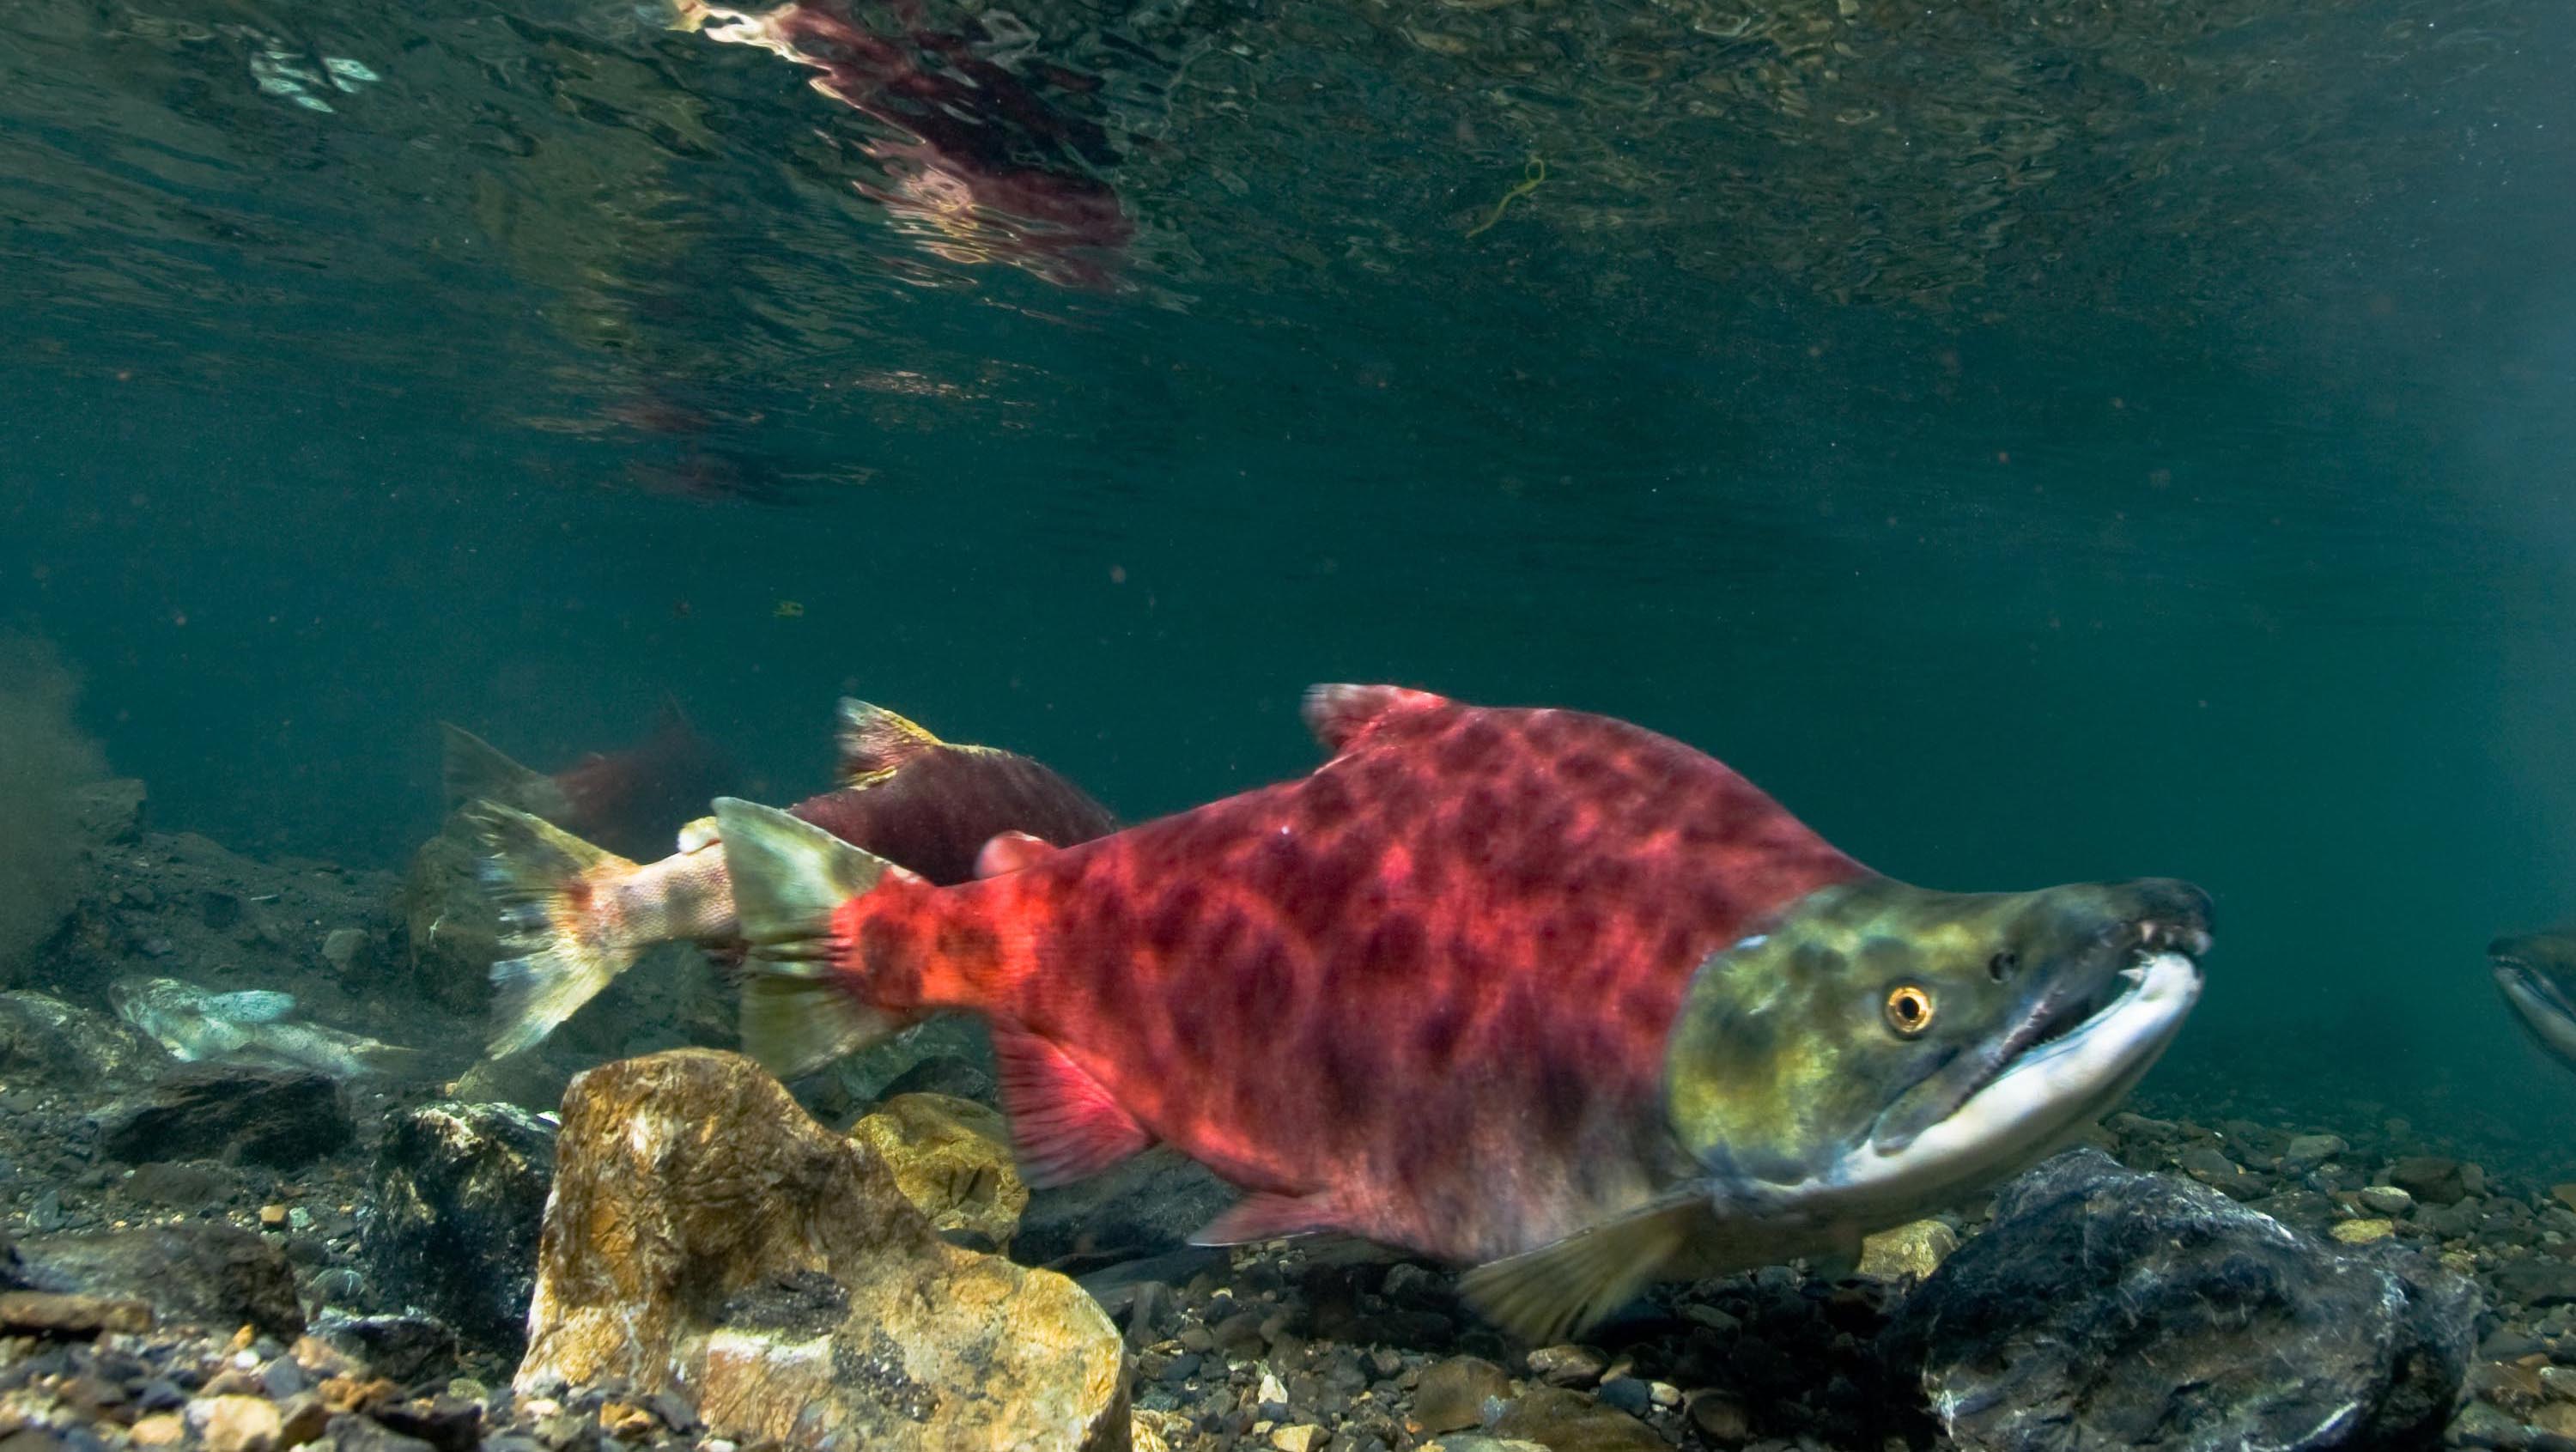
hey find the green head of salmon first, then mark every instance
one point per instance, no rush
(2536, 973)
(1880, 1049)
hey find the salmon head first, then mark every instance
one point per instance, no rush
(1881, 1049)
(2536, 973)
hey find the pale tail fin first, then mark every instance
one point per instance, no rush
(788, 875)
(544, 881)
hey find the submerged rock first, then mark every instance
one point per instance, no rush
(952, 1159)
(2105, 1307)
(460, 1194)
(407, 1348)
(451, 934)
(706, 1234)
(215, 1276)
(278, 1117)
(48, 1039)
(1908, 1252)
(1152, 1202)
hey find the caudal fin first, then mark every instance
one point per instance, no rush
(545, 883)
(788, 876)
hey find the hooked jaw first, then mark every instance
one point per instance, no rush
(2538, 998)
(2104, 1013)
(1883, 1049)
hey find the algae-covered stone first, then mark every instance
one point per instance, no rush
(705, 1234)
(951, 1158)
(1907, 1253)
(1453, 1394)
(1569, 1421)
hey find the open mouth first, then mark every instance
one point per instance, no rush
(2523, 982)
(2081, 999)
(2085, 1042)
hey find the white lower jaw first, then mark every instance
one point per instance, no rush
(2541, 1015)
(2048, 1095)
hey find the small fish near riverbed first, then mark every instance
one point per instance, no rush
(1532, 990)
(247, 1026)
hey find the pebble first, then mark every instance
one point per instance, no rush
(2384, 1199)
(2307, 1151)
(1304, 1437)
(1720, 1418)
(161, 1429)
(235, 1423)
(2362, 1232)
(1627, 1394)
(1452, 1395)
(68, 1315)
(1574, 1366)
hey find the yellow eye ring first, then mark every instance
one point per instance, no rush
(1909, 1009)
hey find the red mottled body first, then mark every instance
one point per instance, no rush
(1423, 993)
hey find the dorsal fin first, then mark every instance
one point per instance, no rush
(473, 769)
(1011, 851)
(1339, 714)
(874, 741)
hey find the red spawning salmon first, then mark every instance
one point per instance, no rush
(1533, 990)
(574, 917)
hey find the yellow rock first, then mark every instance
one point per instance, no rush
(161, 1429)
(236, 1424)
(1156, 1431)
(2362, 1232)
(1304, 1437)
(1909, 1252)
(951, 1157)
(705, 1233)
(2557, 1417)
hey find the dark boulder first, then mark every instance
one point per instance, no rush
(276, 1117)
(2105, 1307)
(214, 1276)
(460, 1195)
(1150, 1203)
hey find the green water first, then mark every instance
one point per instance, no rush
(2035, 442)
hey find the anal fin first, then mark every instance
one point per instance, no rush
(1264, 1216)
(1065, 1123)
(1550, 1294)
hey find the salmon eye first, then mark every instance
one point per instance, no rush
(1909, 1009)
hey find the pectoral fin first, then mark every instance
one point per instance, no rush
(1547, 1295)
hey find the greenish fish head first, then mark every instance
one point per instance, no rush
(1880, 1049)
(2536, 973)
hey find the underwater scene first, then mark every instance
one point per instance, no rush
(1290, 725)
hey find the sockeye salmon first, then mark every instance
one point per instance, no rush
(630, 798)
(573, 916)
(1533, 990)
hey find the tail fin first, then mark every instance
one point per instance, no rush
(472, 769)
(544, 880)
(788, 875)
